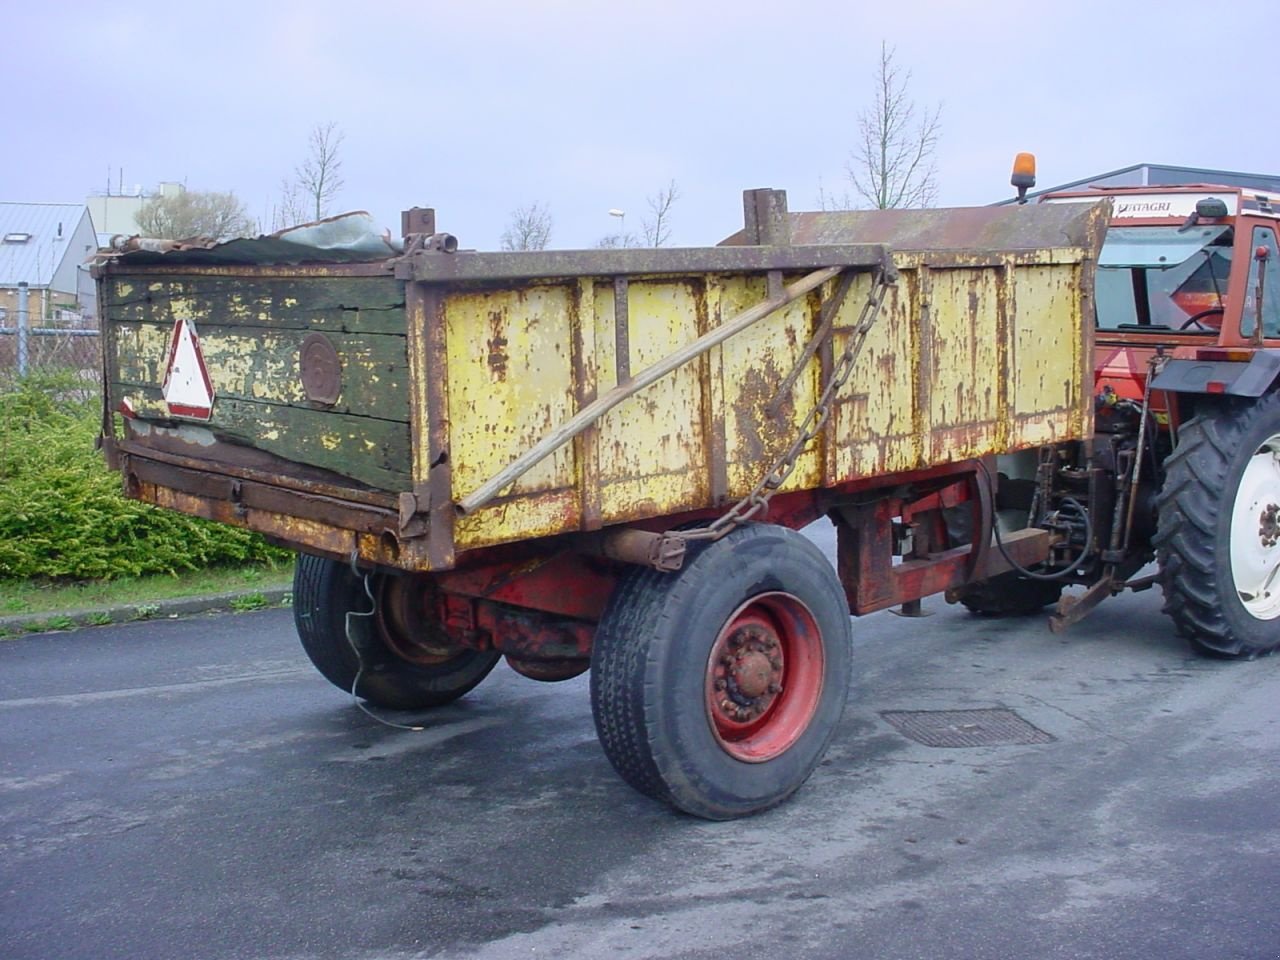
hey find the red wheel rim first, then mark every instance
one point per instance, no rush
(403, 618)
(764, 677)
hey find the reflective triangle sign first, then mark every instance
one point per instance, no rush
(188, 392)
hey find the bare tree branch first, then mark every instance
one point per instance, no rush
(830, 201)
(618, 241)
(528, 229)
(319, 174)
(657, 226)
(194, 213)
(292, 208)
(892, 165)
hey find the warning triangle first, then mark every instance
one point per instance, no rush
(188, 392)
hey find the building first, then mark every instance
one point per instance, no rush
(114, 214)
(47, 246)
(1161, 174)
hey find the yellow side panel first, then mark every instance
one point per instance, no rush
(759, 424)
(510, 382)
(963, 367)
(1047, 357)
(875, 424)
(652, 447)
(965, 359)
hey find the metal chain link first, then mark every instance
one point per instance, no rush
(757, 501)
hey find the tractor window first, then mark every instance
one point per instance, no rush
(1263, 237)
(1163, 278)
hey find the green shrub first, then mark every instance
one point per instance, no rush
(62, 514)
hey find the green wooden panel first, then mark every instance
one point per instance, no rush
(260, 364)
(367, 304)
(368, 449)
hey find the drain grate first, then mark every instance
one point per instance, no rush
(965, 728)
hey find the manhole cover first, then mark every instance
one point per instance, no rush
(965, 728)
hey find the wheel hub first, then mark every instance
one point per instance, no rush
(1255, 533)
(764, 677)
(1269, 525)
(403, 616)
(749, 674)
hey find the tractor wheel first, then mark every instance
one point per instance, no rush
(718, 688)
(1010, 595)
(405, 661)
(1218, 539)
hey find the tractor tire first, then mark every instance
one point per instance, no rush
(400, 664)
(1010, 595)
(718, 688)
(1218, 536)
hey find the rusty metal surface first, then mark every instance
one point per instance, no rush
(561, 264)
(866, 547)
(433, 459)
(320, 369)
(973, 229)
(171, 446)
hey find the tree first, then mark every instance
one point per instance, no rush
(528, 229)
(892, 165)
(318, 176)
(657, 226)
(292, 208)
(618, 241)
(194, 213)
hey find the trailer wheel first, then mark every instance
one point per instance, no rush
(408, 661)
(1010, 595)
(1218, 539)
(718, 688)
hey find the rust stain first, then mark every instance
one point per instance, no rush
(497, 344)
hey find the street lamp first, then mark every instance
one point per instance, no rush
(622, 224)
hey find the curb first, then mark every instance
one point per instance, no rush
(242, 601)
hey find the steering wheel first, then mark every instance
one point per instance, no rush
(1195, 318)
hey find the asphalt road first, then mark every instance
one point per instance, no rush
(192, 789)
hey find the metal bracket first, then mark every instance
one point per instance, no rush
(414, 510)
(662, 551)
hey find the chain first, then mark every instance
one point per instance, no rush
(757, 501)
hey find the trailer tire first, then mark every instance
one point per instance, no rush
(1218, 536)
(402, 669)
(1010, 595)
(718, 688)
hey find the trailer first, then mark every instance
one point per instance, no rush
(574, 460)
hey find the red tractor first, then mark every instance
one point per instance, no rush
(1184, 464)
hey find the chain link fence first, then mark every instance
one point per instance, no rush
(71, 352)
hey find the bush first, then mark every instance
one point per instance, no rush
(62, 513)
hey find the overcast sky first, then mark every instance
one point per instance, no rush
(478, 107)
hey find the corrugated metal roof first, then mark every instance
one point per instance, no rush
(1164, 175)
(36, 259)
(347, 238)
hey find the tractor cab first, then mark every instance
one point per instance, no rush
(1189, 272)
(1187, 262)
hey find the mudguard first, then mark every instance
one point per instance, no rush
(1234, 378)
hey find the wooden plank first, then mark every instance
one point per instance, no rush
(367, 449)
(368, 304)
(260, 364)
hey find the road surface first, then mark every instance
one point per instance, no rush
(193, 789)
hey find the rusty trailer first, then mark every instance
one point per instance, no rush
(574, 459)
